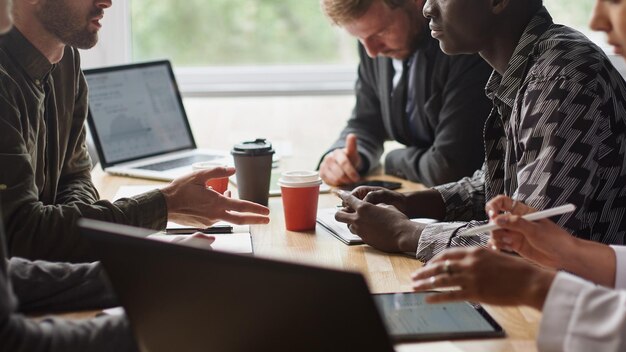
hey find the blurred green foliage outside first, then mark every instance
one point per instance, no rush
(261, 32)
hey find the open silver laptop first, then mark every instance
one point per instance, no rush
(138, 122)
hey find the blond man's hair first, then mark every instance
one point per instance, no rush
(344, 11)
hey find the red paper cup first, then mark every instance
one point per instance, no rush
(300, 192)
(219, 185)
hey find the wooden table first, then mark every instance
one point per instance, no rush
(384, 272)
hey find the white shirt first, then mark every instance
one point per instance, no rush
(620, 267)
(399, 69)
(581, 316)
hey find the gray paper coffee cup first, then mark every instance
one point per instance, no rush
(253, 161)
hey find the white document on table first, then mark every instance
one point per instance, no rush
(240, 241)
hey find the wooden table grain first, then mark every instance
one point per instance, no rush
(384, 272)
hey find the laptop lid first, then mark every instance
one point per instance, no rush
(136, 112)
(188, 299)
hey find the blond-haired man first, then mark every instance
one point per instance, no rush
(407, 90)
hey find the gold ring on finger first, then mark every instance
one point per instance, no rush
(446, 267)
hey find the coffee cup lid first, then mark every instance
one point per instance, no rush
(299, 179)
(201, 165)
(259, 146)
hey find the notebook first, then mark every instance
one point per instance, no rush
(139, 125)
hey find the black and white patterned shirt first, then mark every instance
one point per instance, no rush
(556, 135)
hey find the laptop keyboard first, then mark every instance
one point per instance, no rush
(172, 164)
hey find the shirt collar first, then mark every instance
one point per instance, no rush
(505, 87)
(32, 61)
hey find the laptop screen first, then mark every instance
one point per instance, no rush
(135, 111)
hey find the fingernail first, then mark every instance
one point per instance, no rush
(491, 213)
(503, 220)
(507, 240)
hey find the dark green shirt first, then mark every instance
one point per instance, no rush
(44, 160)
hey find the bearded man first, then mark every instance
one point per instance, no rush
(43, 157)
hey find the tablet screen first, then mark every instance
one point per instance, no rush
(408, 316)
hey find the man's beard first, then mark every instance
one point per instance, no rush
(59, 19)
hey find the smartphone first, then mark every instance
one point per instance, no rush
(374, 183)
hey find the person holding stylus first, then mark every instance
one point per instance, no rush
(579, 285)
(578, 315)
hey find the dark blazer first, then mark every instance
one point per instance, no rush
(452, 108)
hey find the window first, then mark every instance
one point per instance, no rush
(266, 47)
(573, 13)
(576, 14)
(237, 32)
(262, 32)
(243, 47)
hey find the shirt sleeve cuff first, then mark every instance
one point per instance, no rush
(434, 239)
(456, 200)
(558, 310)
(153, 208)
(620, 267)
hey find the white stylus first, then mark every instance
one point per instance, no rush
(567, 208)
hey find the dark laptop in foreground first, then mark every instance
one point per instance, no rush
(180, 298)
(138, 122)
